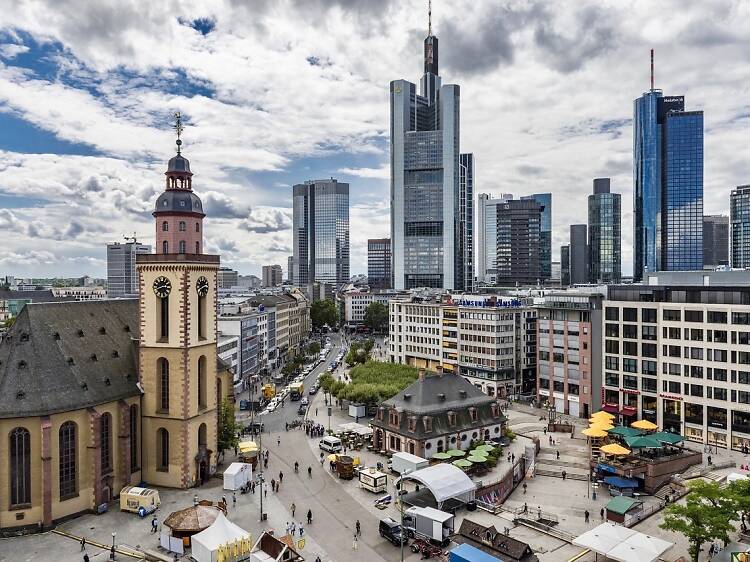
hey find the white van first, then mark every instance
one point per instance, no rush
(330, 444)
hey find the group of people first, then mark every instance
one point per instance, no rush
(313, 429)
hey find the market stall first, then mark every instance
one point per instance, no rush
(224, 540)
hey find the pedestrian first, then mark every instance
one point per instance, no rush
(317, 559)
(281, 476)
(235, 450)
(83, 543)
(288, 528)
(265, 490)
(709, 460)
(539, 511)
(601, 513)
(564, 474)
(316, 412)
(154, 525)
(294, 528)
(234, 500)
(355, 546)
(558, 454)
(224, 499)
(278, 441)
(293, 507)
(524, 487)
(550, 440)
(512, 457)
(309, 516)
(586, 516)
(273, 484)
(301, 530)
(309, 472)
(508, 457)
(85, 558)
(525, 507)
(545, 431)
(359, 529)
(711, 551)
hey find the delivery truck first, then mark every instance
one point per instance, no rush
(296, 390)
(269, 391)
(401, 463)
(430, 524)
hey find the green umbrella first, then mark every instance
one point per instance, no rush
(441, 456)
(643, 442)
(666, 437)
(485, 447)
(477, 460)
(625, 431)
(456, 453)
(462, 463)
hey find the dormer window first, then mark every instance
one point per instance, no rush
(495, 410)
(412, 423)
(427, 421)
(451, 418)
(473, 414)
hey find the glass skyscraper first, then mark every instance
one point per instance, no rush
(430, 212)
(604, 234)
(668, 185)
(739, 216)
(321, 232)
(545, 240)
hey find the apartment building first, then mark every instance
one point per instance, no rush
(489, 340)
(569, 346)
(356, 303)
(678, 354)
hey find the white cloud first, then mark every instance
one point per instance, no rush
(12, 50)
(382, 173)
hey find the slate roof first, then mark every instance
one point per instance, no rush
(492, 541)
(425, 395)
(65, 356)
(621, 504)
(43, 295)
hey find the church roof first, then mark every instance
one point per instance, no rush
(438, 393)
(178, 201)
(65, 356)
(178, 164)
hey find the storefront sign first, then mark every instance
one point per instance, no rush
(670, 396)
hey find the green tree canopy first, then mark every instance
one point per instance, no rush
(374, 382)
(376, 317)
(227, 427)
(323, 312)
(359, 352)
(706, 515)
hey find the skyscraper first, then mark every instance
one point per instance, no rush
(545, 238)
(715, 241)
(122, 276)
(565, 265)
(379, 263)
(739, 215)
(509, 240)
(428, 246)
(604, 234)
(579, 262)
(667, 184)
(321, 232)
(465, 254)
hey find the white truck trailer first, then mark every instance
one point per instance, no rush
(429, 523)
(406, 462)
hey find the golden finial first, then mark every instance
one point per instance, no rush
(178, 128)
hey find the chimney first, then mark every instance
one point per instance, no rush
(421, 375)
(439, 370)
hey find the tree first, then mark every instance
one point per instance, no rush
(312, 349)
(376, 317)
(227, 427)
(706, 515)
(323, 312)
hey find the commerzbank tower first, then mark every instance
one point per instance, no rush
(431, 183)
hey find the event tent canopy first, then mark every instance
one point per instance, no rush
(622, 544)
(357, 428)
(445, 481)
(441, 456)
(643, 442)
(463, 463)
(222, 531)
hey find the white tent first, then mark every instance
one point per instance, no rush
(733, 476)
(237, 475)
(445, 481)
(623, 544)
(206, 543)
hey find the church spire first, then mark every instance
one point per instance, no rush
(430, 46)
(178, 129)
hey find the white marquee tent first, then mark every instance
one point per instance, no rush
(445, 481)
(222, 531)
(623, 544)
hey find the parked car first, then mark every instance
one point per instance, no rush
(313, 389)
(305, 401)
(391, 531)
(302, 410)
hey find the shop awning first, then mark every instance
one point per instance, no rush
(611, 408)
(620, 482)
(628, 411)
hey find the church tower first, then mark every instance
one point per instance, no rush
(182, 387)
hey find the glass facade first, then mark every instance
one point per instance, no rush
(122, 277)
(668, 185)
(321, 232)
(465, 232)
(739, 211)
(545, 235)
(604, 236)
(379, 263)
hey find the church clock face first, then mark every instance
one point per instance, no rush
(162, 287)
(201, 286)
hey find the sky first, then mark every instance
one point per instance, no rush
(274, 93)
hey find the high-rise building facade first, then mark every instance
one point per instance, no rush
(509, 232)
(715, 241)
(668, 185)
(290, 269)
(379, 263)
(579, 255)
(122, 276)
(545, 234)
(465, 254)
(565, 265)
(272, 275)
(321, 232)
(739, 216)
(605, 258)
(428, 245)
(227, 278)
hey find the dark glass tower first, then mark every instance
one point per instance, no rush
(715, 241)
(604, 234)
(739, 211)
(545, 236)
(579, 255)
(667, 185)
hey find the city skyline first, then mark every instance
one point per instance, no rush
(86, 157)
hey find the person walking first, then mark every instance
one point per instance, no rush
(601, 513)
(112, 553)
(86, 557)
(281, 476)
(524, 488)
(564, 474)
(586, 516)
(83, 544)
(293, 508)
(278, 441)
(359, 528)
(154, 525)
(309, 472)
(558, 454)
(265, 490)
(525, 507)
(355, 544)
(273, 485)
(224, 499)
(293, 528)
(234, 500)
(309, 516)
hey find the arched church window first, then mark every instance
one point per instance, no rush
(163, 371)
(20, 467)
(162, 448)
(105, 433)
(182, 246)
(165, 226)
(165, 247)
(182, 226)
(133, 438)
(68, 449)
(197, 227)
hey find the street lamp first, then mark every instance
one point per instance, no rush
(112, 553)
(401, 508)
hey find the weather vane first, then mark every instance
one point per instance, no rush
(179, 128)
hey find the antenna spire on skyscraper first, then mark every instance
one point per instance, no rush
(652, 70)
(429, 18)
